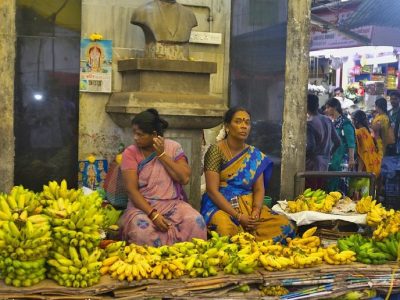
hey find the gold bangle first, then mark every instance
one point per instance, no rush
(155, 217)
(162, 154)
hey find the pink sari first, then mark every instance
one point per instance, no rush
(165, 195)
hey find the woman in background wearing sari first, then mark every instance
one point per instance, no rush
(369, 158)
(380, 125)
(236, 177)
(154, 170)
(345, 153)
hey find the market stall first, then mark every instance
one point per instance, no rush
(53, 246)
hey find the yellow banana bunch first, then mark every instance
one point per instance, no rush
(273, 290)
(276, 249)
(336, 195)
(243, 239)
(53, 191)
(364, 205)
(376, 214)
(309, 232)
(390, 225)
(302, 260)
(333, 256)
(275, 263)
(135, 262)
(329, 202)
(383, 230)
(309, 244)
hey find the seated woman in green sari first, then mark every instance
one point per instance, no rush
(237, 175)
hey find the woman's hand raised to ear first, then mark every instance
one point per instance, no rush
(158, 144)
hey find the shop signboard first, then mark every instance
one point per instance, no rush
(96, 66)
(333, 39)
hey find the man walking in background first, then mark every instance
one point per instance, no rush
(322, 140)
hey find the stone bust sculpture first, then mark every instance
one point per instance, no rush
(167, 26)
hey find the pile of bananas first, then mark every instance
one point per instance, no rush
(75, 259)
(273, 290)
(315, 201)
(370, 251)
(385, 222)
(198, 258)
(235, 255)
(302, 252)
(25, 238)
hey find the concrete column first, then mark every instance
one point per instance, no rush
(7, 60)
(295, 105)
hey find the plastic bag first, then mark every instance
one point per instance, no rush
(114, 187)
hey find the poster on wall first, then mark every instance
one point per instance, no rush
(96, 66)
(92, 174)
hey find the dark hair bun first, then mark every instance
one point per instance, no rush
(154, 112)
(164, 124)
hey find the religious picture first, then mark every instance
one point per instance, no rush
(96, 66)
(92, 175)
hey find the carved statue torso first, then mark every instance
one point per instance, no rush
(167, 26)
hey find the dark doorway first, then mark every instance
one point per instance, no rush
(47, 92)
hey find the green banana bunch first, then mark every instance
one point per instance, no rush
(24, 273)
(75, 267)
(54, 191)
(203, 265)
(25, 238)
(111, 216)
(318, 195)
(370, 251)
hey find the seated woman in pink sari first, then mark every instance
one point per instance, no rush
(154, 170)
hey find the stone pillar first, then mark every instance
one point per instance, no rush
(7, 60)
(295, 105)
